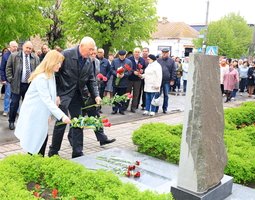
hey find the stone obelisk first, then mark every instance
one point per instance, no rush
(203, 155)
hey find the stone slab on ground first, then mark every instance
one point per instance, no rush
(156, 175)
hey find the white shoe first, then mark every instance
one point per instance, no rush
(152, 114)
(241, 94)
(5, 114)
(145, 112)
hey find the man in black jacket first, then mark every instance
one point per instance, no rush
(76, 73)
(168, 77)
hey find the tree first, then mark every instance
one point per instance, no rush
(114, 24)
(22, 19)
(231, 34)
(54, 33)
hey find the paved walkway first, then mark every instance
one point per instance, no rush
(122, 129)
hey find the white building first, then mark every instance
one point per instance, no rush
(177, 36)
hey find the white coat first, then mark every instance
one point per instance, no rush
(38, 105)
(152, 77)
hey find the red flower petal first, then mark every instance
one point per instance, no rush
(128, 174)
(54, 193)
(105, 120)
(137, 162)
(137, 174)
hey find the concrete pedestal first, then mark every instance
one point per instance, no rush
(219, 192)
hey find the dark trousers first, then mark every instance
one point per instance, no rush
(134, 87)
(243, 84)
(119, 106)
(101, 89)
(15, 98)
(74, 109)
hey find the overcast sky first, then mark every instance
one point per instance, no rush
(194, 11)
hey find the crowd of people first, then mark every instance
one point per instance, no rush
(52, 83)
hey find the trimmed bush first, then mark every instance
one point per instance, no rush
(163, 141)
(159, 140)
(72, 180)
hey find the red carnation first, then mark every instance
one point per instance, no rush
(37, 187)
(139, 66)
(137, 174)
(100, 76)
(54, 193)
(128, 174)
(137, 163)
(104, 78)
(131, 167)
(120, 70)
(36, 194)
(105, 120)
(108, 124)
(127, 67)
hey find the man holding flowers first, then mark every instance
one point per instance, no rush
(120, 69)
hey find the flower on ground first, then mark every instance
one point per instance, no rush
(121, 167)
(54, 193)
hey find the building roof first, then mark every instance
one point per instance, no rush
(177, 30)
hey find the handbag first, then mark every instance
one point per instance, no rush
(157, 101)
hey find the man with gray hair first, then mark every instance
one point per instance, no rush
(13, 47)
(75, 74)
(18, 69)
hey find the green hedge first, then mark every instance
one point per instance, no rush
(163, 141)
(72, 180)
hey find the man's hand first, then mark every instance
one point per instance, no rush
(136, 73)
(171, 82)
(4, 82)
(98, 100)
(58, 101)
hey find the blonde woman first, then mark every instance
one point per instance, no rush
(39, 103)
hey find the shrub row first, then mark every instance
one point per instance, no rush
(72, 180)
(163, 141)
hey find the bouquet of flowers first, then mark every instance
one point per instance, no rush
(121, 71)
(89, 122)
(139, 69)
(101, 77)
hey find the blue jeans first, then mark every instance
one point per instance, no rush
(165, 87)
(7, 97)
(148, 106)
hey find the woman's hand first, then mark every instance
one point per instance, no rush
(58, 101)
(66, 119)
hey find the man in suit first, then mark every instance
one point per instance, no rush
(75, 74)
(18, 69)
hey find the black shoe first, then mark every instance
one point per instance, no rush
(114, 112)
(75, 155)
(107, 141)
(165, 112)
(133, 110)
(100, 111)
(11, 126)
(122, 112)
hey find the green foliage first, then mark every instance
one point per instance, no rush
(72, 180)
(112, 23)
(163, 141)
(231, 34)
(22, 19)
(159, 140)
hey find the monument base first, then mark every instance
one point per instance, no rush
(219, 192)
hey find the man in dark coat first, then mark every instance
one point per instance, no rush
(75, 74)
(18, 69)
(120, 80)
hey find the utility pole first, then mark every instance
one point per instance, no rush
(206, 26)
